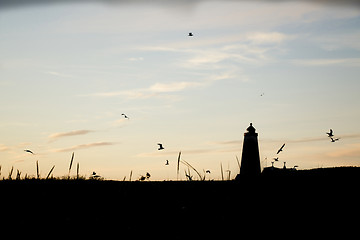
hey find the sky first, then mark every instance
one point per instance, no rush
(69, 69)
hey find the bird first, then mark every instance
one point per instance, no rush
(125, 115)
(160, 146)
(262, 94)
(29, 151)
(330, 134)
(334, 140)
(94, 175)
(190, 34)
(167, 162)
(208, 171)
(281, 149)
(276, 159)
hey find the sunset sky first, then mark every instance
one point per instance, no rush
(69, 70)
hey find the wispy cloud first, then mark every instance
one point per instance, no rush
(155, 90)
(354, 62)
(4, 148)
(268, 37)
(84, 146)
(56, 136)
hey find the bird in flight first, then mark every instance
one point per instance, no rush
(280, 150)
(29, 151)
(276, 159)
(167, 162)
(125, 115)
(190, 34)
(334, 140)
(330, 134)
(208, 171)
(160, 146)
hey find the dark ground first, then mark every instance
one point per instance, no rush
(319, 201)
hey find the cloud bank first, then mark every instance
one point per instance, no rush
(24, 3)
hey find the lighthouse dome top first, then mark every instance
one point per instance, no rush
(251, 129)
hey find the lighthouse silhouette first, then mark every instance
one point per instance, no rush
(250, 159)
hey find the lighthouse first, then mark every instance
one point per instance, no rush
(250, 159)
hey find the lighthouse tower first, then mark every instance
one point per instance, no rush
(250, 160)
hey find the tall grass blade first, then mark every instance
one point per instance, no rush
(178, 166)
(222, 172)
(237, 159)
(189, 165)
(50, 172)
(71, 162)
(37, 170)
(10, 173)
(18, 173)
(77, 170)
(130, 175)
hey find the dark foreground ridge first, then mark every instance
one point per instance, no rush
(306, 201)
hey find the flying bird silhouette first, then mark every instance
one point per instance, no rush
(190, 34)
(276, 159)
(334, 140)
(280, 150)
(330, 134)
(167, 162)
(160, 146)
(125, 115)
(29, 151)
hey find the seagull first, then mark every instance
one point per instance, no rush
(334, 140)
(190, 34)
(330, 134)
(125, 115)
(167, 162)
(94, 175)
(276, 159)
(281, 148)
(29, 151)
(160, 146)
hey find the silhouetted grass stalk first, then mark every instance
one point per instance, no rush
(50, 172)
(10, 173)
(222, 172)
(189, 165)
(71, 162)
(178, 166)
(37, 170)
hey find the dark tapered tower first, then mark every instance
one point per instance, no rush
(250, 160)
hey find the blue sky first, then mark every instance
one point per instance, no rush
(69, 70)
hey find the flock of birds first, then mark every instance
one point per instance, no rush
(330, 135)
(161, 147)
